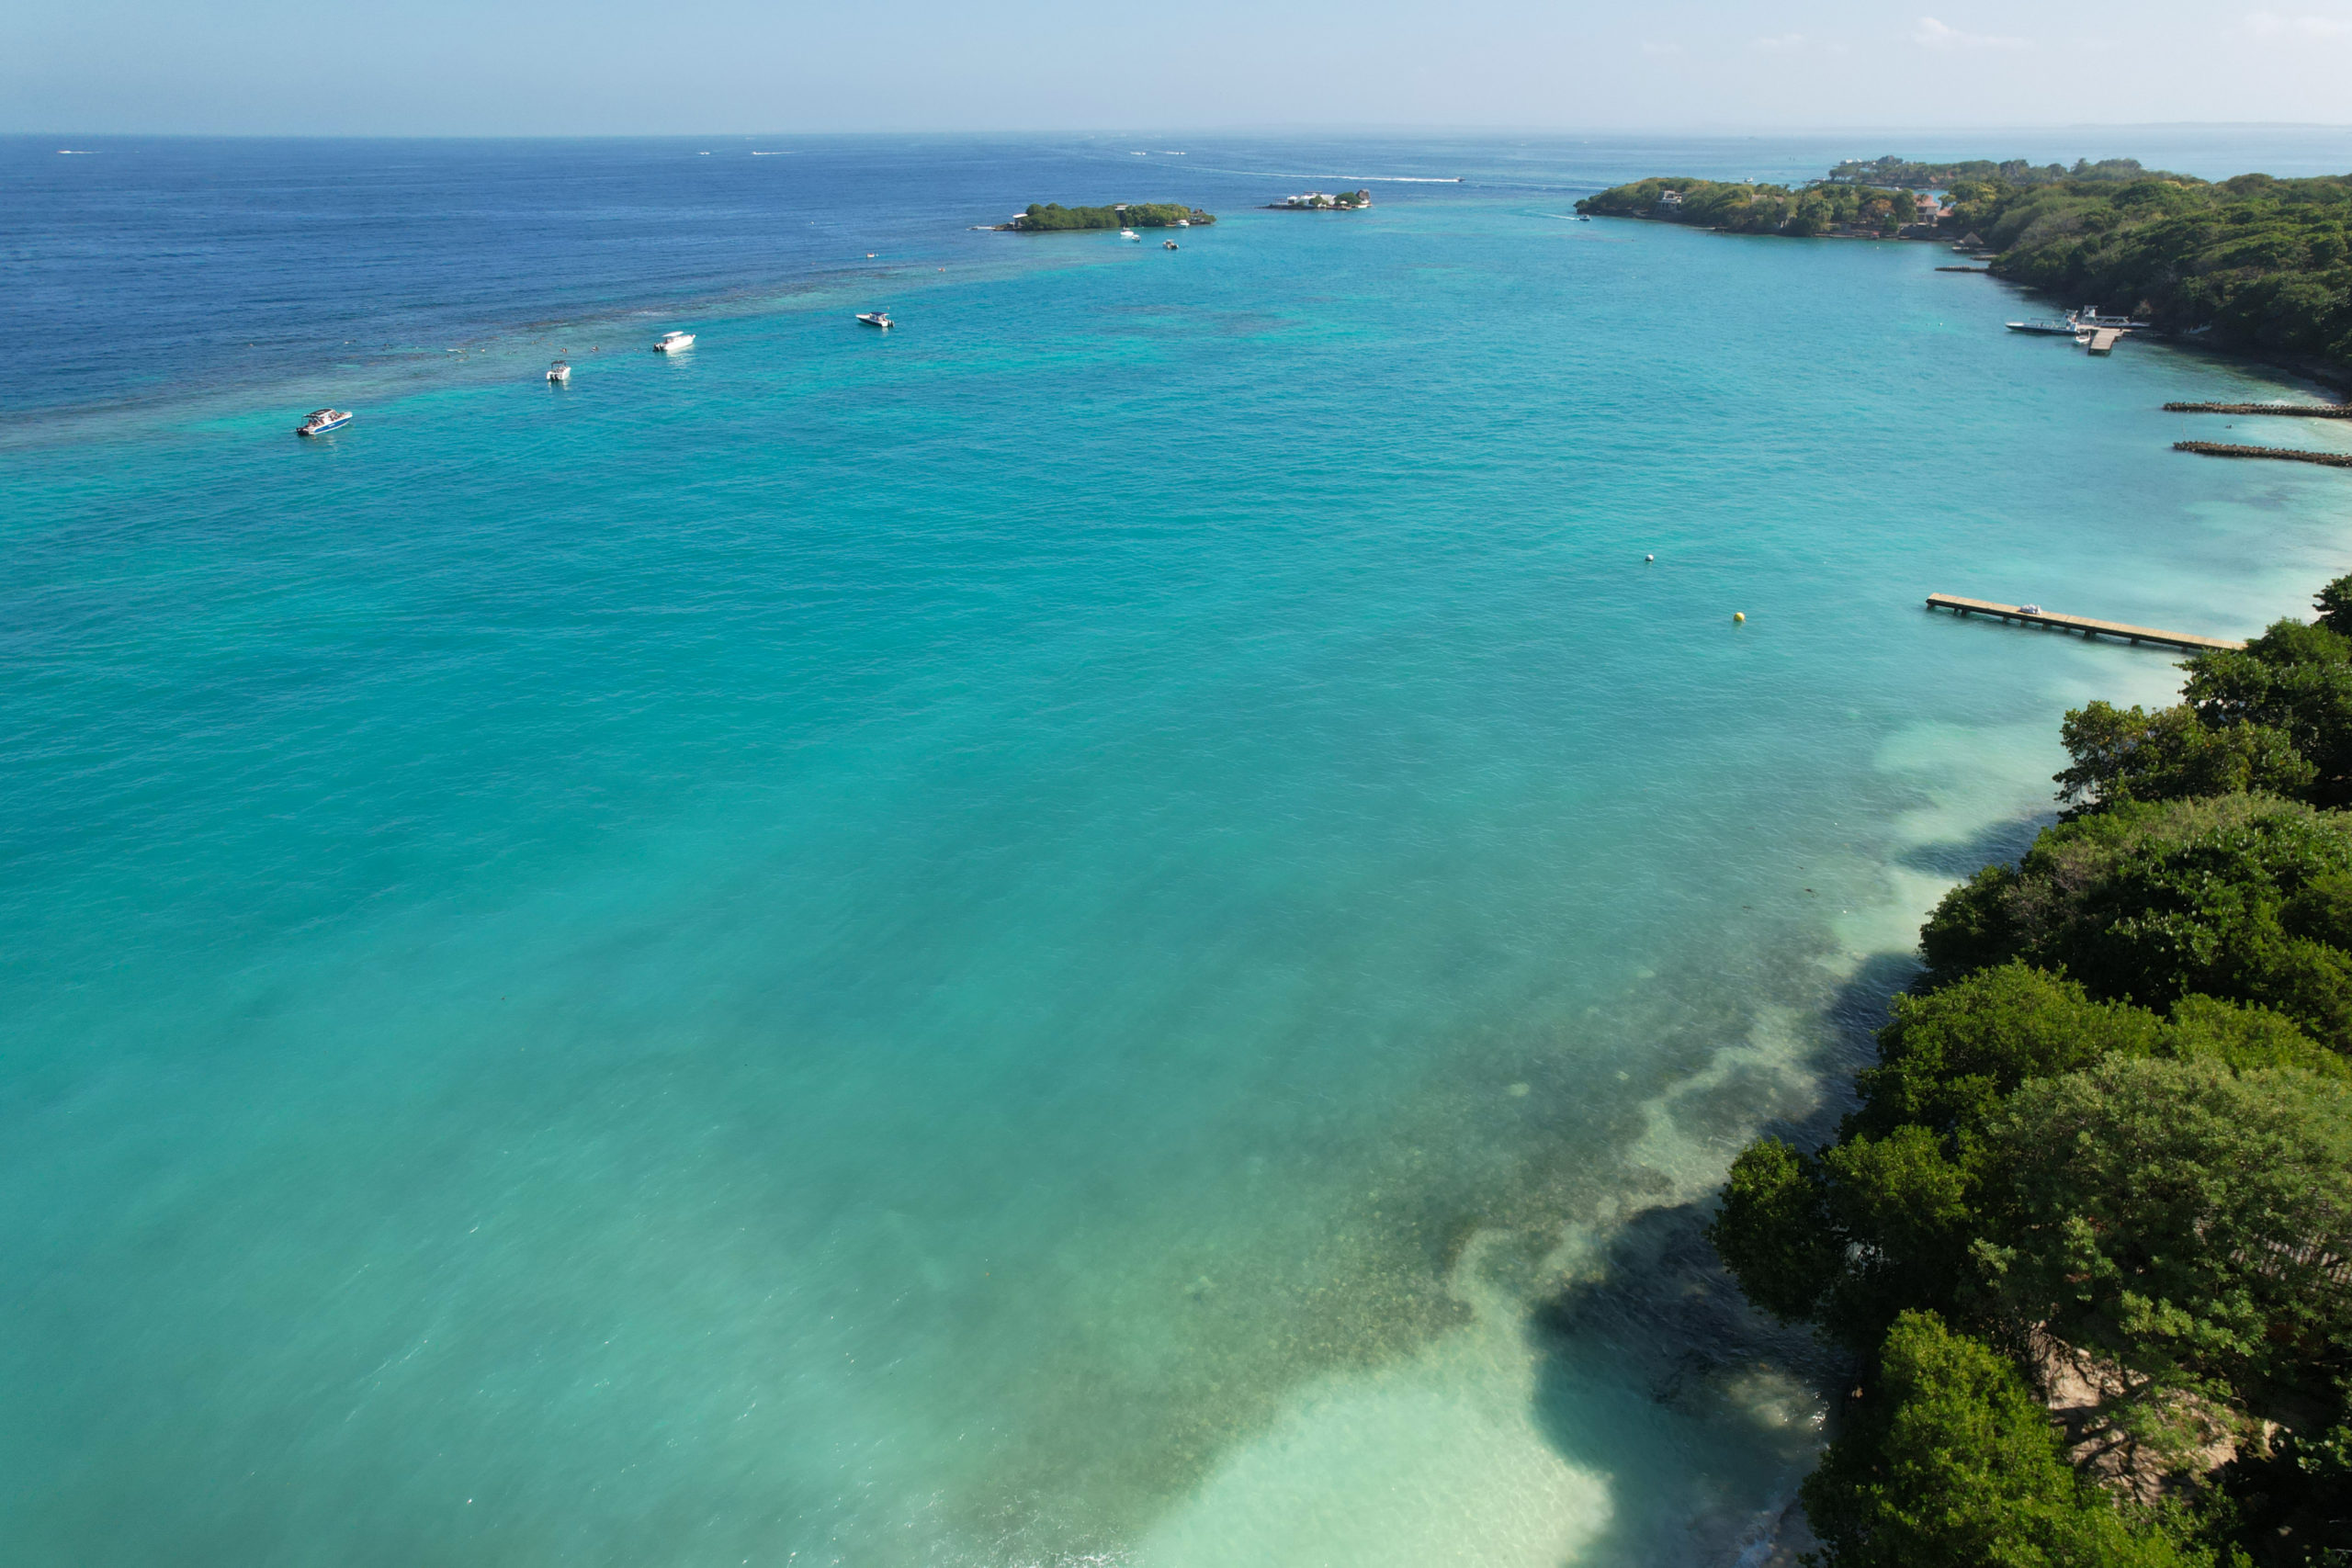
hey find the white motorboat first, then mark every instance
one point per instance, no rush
(559, 372)
(877, 319)
(1129, 234)
(2087, 318)
(673, 341)
(318, 421)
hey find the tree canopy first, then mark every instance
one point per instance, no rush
(1953, 1464)
(2259, 263)
(2116, 1110)
(1053, 217)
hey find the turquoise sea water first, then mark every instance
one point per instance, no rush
(1119, 926)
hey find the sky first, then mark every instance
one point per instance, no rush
(569, 67)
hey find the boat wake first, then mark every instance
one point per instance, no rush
(1344, 179)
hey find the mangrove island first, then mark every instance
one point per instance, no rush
(1053, 218)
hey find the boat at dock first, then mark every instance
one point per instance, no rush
(673, 341)
(559, 372)
(877, 319)
(2087, 318)
(2044, 328)
(318, 421)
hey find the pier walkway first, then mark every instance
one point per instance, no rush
(2088, 628)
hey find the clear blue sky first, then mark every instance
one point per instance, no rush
(632, 66)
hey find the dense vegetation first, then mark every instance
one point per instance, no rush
(1053, 217)
(1904, 172)
(1758, 209)
(2262, 265)
(2109, 1130)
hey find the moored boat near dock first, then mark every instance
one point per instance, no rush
(2088, 316)
(2042, 327)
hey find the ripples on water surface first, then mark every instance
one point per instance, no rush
(1117, 925)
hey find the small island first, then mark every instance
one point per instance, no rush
(1318, 201)
(1053, 218)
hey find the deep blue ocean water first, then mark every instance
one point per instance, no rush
(1119, 926)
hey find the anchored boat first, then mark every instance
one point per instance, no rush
(673, 341)
(558, 372)
(320, 421)
(877, 319)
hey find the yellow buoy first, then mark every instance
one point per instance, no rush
(1739, 614)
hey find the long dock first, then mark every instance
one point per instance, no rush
(2285, 410)
(2103, 340)
(2083, 623)
(2284, 454)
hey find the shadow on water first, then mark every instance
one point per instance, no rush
(1652, 1349)
(1646, 1364)
(1959, 858)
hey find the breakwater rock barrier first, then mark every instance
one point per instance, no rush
(2284, 454)
(2293, 410)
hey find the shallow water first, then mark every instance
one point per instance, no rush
(1118, 925)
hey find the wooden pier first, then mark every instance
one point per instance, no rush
(2103, 340)
(2285, 410)
(2284, 454)
(2088, 628)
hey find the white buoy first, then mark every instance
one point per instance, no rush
(1649, 557)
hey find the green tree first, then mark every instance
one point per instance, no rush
(2294, 680)
(1850, 1237)
(2183, 1218)
(2126, 754)
(2224, 896)
(1948, 1058)
(1773, 1233)
(1949, 1462)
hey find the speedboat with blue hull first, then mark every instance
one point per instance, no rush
(320, 421)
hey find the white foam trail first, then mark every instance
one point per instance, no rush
(1361, 179)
